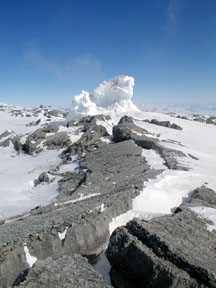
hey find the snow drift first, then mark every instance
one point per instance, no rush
(109, 97)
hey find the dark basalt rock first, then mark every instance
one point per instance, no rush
(56, 113)
(199, 119)
(65, 272)
(88, 121)
(32, 142)
(34, 123)
(126, 131)
(164, 124)
(176, 251)
(17, 143)
(199, 197)
(70, 182)
(58, 140)
(14, 140)
(5, 143)
(43, 177)
(126, 119)
(50, 129)
(90, 141)
(6, 133)
(211, 120)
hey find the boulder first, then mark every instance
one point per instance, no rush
(126, 119)
(33, 141)
(89, 141)
(176, 251)
(50, 129)
(5, 143)
(164, 124)
(17, 143)
(43, 177)
(34, 123)
(6, 133)
(14, 140)
(58, 140)
(211, 120)
(65, 272)
(57, 113)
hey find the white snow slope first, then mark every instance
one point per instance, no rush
(18, 172)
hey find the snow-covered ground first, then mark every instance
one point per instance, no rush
(18, 172)
(159, 196)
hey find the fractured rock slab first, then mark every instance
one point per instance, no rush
(175, 251)
(65, 272)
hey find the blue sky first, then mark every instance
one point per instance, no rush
(50, 50)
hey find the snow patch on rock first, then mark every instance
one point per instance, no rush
(31, 260)
(207, 213)
(63, 234)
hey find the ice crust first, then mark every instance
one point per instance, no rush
(109, 97)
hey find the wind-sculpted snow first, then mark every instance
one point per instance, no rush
(109, 97)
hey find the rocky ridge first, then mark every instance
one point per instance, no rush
(176, 251)
(102, 187)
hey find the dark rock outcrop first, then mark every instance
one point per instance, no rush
(70, 182)
(114, 176)
(5, 134)
(211, 120)
(65, 272)
(34, 123)
(90, 141)
(57, 113)
(14, 140)
(166, 124)
(33, 141)
(126, 131)
(58, 140)
(50, 129)
(176, 251)
(43, 177)
(108, 178)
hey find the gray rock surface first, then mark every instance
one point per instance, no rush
(65, 272)
(108, 178)
(201, 196)
(164, 124)
(5, 134)
(57, 113)
(126, 131)
(211, 120)
(14, 140)
(90, 140)
(176, 251)
(43, 177)
(114, 176)
(58, 140)
(33, 141)
(70, 182)
(50, 129)
(34, 123)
